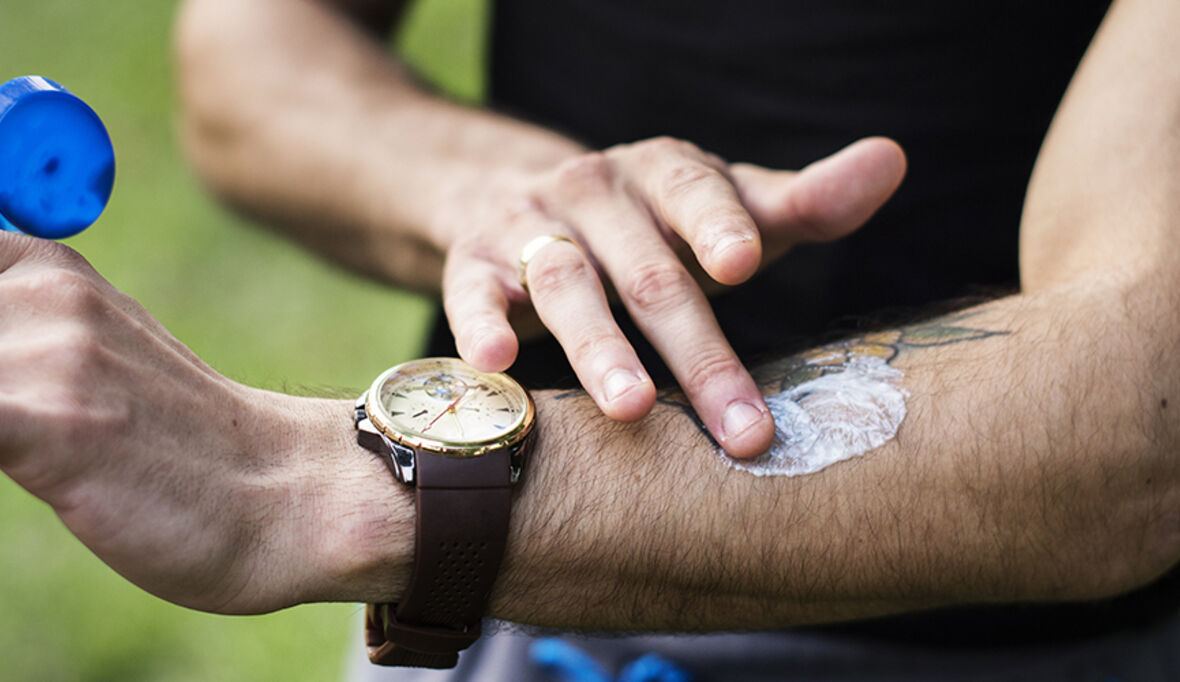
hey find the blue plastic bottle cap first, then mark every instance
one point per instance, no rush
(57, 165)
(7, 226)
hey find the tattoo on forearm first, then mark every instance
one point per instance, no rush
(884, 346)
(887, 345)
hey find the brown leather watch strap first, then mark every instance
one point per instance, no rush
(462, 514)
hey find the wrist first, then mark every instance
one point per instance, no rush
(349, 531)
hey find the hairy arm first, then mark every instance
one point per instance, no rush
(1037, 460)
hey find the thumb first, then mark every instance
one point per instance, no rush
(826, 200)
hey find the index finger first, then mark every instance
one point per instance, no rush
(673, 313)
(692, 195)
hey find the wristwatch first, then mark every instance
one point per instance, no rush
(459, 437)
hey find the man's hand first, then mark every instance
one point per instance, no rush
(650, 218)
(442, 197)
(201, 491)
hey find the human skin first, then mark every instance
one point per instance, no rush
(1038, 460)
(329, 139)
(234, 500)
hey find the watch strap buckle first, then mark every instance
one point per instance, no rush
(425, 646)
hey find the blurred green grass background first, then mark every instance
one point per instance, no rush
(258, 309)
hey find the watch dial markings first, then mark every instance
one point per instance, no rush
(482, 407)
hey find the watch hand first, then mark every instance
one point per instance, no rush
(450, 408)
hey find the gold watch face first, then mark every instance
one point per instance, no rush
(445, 405)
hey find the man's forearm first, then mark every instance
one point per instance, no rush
(301, 117)
(1035, 463)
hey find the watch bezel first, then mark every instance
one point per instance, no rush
(375, 414)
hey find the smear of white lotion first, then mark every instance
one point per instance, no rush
(837, 416)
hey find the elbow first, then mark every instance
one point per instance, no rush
(1147, 545)
(1134, 536)
(1142, 468)
(1137, 561)
(1134, 546)
(1120, 523)
(211, 124)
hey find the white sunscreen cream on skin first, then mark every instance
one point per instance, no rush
(849, 408)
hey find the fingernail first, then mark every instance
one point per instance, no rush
(618, 382)
(739, 417)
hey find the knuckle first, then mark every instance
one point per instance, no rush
(76, 350)
(665, 145)
(588, 173)
(66, 256)
(711, 159)
(555, 272)
(687, 178)
(593, 341)
(70, 362)
(523, 208)
(476, 251)
(52, 252)
(77, 295)
(473, 244)
(806, 215)
(63, 290)
(65, 282)
(710, 366)
(659, 148)
(43, 252)
(657, 285)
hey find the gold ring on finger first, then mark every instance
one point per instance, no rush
(534, 246)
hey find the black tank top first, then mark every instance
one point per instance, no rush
(967, 88)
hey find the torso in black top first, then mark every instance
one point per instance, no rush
(968, 89)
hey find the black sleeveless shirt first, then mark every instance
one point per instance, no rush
(968, 90)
